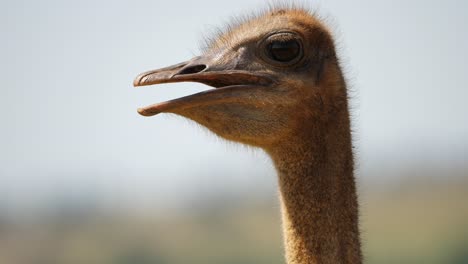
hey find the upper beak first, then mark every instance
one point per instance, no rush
(231, 83)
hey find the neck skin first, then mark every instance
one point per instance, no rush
(318, 194)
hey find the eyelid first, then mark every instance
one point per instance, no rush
(281, 37)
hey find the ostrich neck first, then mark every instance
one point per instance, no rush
(318, 194)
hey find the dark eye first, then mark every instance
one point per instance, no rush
(284, 50)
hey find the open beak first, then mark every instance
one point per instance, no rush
(231, 84)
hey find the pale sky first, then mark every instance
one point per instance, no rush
(68, 108)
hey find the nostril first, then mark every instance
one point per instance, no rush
(192, 69)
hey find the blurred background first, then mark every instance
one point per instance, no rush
(84, 179)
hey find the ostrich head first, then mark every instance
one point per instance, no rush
(272, 74)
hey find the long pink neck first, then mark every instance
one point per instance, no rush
(318, 194)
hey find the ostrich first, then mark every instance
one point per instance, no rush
(279, 86)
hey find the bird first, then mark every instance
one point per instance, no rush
(277, 84)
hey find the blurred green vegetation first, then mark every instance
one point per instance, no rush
(410, 222)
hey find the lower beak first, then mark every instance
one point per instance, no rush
(230, 84)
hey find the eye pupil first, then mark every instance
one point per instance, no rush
(284, 51)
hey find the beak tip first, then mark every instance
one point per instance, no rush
(143, 112)
(136, 82)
